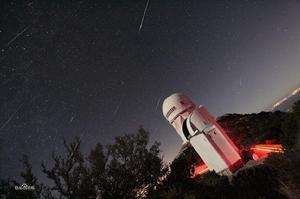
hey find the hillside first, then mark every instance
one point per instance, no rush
(132, 168)
(277, 177)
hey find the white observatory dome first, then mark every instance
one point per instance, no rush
(176, 104)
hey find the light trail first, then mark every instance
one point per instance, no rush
(145, 10)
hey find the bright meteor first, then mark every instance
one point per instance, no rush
(145, 10)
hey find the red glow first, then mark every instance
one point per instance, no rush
(199, 170)
(261, 151)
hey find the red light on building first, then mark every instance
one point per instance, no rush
(261, 151)
(199, 170)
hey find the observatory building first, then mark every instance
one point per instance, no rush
(197, 126)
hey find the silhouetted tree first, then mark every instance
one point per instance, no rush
(128, 168)
(134, 168)
(291, 127)
(8, 191)
(71, 177)
(257, 182)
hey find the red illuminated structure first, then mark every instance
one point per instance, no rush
(195, 125)
(261, 151)
(217, 152)
(199, 170)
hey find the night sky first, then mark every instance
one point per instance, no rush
(83, 68)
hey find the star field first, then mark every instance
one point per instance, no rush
(88, 69)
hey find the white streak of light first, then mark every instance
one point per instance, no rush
(145, 10)
(11, 116)
(157, 102)
(15, 37)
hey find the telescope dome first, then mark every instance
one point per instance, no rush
(176, 104)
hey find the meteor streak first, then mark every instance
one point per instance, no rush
(145, 10)
(17, 35)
